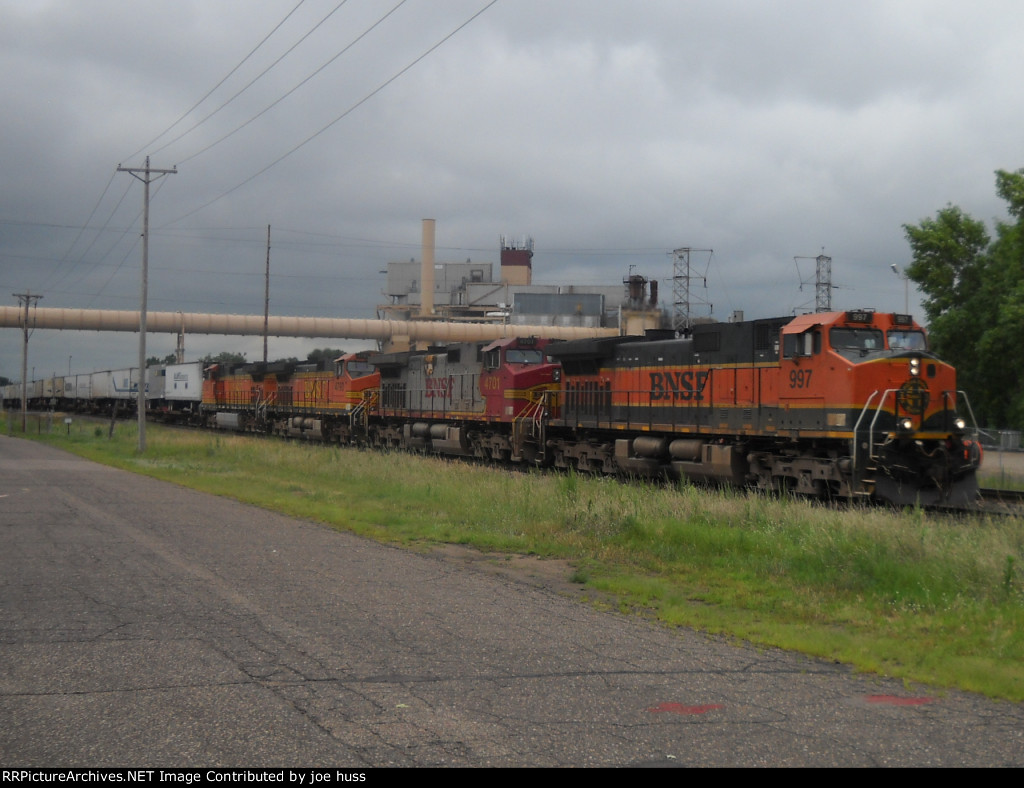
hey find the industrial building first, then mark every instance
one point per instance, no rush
(485, 292)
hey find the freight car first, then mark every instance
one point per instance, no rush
(107, 390)
(174, 391)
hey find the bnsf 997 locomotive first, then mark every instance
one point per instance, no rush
(840, 404)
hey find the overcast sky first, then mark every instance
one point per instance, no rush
(610, 131)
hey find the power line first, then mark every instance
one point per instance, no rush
(247, 86)
(110, 249)
(267, 109)
(55, 281)
(210, 92)
(168, 129)
(340, 117)
(124, 259)
(92, 213)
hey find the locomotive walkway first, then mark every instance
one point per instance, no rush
(142, 624)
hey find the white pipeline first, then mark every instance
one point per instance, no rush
(253, 325)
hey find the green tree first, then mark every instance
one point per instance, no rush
(323, 354)
(974, 300)
(224, 358)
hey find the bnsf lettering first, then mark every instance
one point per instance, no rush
(687, 386)
(440, 387)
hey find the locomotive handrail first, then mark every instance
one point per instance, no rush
(874, 421)
(967, 402)
(856, 432)
(360, 411)
(532, 415)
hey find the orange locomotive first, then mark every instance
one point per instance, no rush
(326, 401)
(838, 404)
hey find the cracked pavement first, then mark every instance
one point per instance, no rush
(143, 624)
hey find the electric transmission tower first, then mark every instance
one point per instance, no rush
(682, 296)
(823, 286)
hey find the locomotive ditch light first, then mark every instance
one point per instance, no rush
(906, 424)
(960, 424)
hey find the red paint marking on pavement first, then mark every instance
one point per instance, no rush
(895, 700)
(679, 708)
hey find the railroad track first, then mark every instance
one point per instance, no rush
(990, 500)
(1013, 498)
(1001, 502)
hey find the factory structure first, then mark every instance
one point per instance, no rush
(429, 303)
(504, 292)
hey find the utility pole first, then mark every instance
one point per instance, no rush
(266, 300)
(179, 350)
(146, 175)
(25, 299)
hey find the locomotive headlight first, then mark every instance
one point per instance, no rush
(960, 424)
(906, 424)
(915, 366)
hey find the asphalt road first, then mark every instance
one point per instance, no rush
(142, 624)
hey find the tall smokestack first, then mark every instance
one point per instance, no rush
(427, 272)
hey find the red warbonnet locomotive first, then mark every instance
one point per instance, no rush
(839, 404)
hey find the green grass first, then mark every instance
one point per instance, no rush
(930, 599)
(997, 481)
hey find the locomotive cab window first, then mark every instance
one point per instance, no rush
(513, 356)
(907, 340)
(805, 344)
(492, 359)
(360, 369)
(864, 340)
